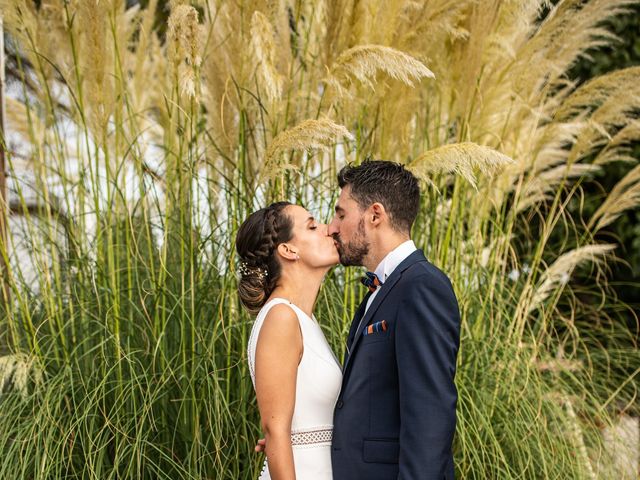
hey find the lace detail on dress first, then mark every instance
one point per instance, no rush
(313, 436)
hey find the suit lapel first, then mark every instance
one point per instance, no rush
(354, 323)
(386, 287)
(379, 298)
(357, 317)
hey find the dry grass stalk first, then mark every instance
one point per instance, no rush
(559, 273)
(21, 121)
(575, 432)
(559, 365)
(568, 31)
(625, 195)
(597, 91)
(619, 148)
(615, 112)
(15, 371)
(335, 34)
(542, 186)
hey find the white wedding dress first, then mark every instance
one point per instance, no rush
(317, 388)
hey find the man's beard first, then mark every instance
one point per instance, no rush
(353, 253)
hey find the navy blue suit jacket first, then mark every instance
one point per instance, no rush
(395, 416)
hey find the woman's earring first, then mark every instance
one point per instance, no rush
(297, 257)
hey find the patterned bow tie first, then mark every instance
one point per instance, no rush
(371, 281)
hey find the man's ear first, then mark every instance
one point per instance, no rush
(287, 251)
(377, 213)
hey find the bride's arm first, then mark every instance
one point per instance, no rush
(278, 354)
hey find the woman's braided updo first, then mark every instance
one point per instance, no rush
(256, 244)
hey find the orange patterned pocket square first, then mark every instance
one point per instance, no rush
(375, 328)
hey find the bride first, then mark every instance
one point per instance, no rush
(284, 256)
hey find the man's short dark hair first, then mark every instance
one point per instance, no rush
(388, 183)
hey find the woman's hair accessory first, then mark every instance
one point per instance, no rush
(245, 270)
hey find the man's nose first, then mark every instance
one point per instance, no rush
(332, 229)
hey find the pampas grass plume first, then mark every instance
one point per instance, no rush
(364, 61)
(624, 196)
(264, 49)
(460, 158)
(310, 134)
(184, 40)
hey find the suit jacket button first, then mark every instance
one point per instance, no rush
(340, 404)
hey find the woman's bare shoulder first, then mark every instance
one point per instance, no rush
(281, 324)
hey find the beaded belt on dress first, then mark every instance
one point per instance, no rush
(312, 436)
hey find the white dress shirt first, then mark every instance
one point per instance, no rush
(389, 263)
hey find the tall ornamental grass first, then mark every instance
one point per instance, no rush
(137, 147)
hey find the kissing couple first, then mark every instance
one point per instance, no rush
(389, 412)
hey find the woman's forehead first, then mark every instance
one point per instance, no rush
(298, 213)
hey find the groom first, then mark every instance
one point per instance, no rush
(395, 416)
